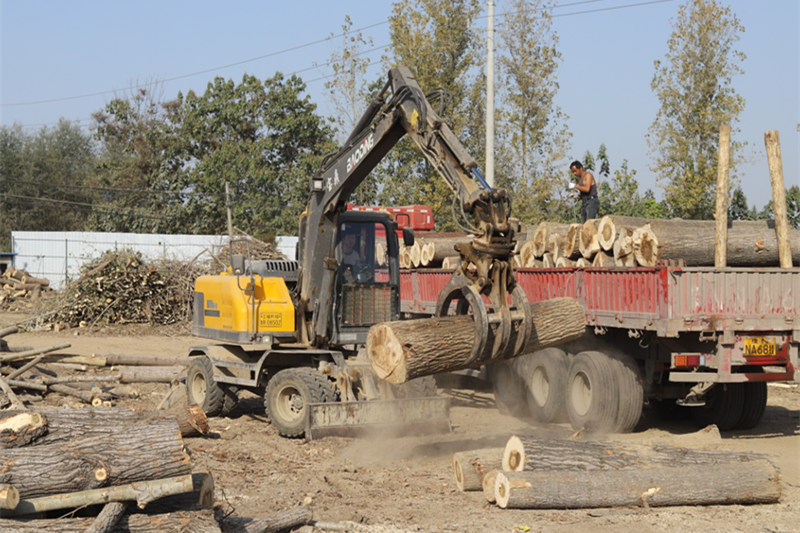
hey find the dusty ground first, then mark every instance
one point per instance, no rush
(406, 484)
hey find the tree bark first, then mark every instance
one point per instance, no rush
(136, 452)
(143, 359)
(773, 144)
(8, 331)
(281, 521)
(575, 474)
(471, 466)
(200, 521)
(755, 481)
(406, 349)
(107, 520)
(588, 242)
(65, 425)
(721, 207)
(18, 356)
(21, 428)
(150, 374)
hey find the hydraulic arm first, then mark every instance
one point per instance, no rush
(483, 285)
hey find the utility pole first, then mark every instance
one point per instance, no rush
(490, 97)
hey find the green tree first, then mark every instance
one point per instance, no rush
(349, 91)
(137, 168)
(43, 179)
(694, 85)
(536, 134)
(435, 39)
(738, 210)
(264, 139)
(792, 208)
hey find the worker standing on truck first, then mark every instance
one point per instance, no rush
(587, 191)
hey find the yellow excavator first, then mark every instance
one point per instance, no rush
(294, 331)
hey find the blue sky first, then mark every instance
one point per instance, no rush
(68, 58)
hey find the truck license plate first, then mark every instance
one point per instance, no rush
(760, 347)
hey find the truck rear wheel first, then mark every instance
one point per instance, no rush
(755, 402)
(592, 392)
(289, 392)
(724, 406)
(631, 391)
(546, 375)
(201, 387)
(508, 388)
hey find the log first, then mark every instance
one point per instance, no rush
(196, 521)
(747, 482)
(773, 145)
(489, 481)
(721, 206)
(9, 497)
(131, 359)
(21, 428)
(470, 467)
(414, 254)
(542, 233)
(563, 262)
(588, 244)
(106, 521)
(8, 331)
(450, 263)
(65, 425)
(282, 521)
(127, 454)
(402, 350)
(623, 248)
(18, 356)
(16, 403)
(201, 495)
(150, 374)
(442, 247)
(572, 243)
(603, 259)
(548, 261)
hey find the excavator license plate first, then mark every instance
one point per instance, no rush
(379, 418)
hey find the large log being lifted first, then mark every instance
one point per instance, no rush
(406, 349)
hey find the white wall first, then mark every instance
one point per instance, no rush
(58, 255)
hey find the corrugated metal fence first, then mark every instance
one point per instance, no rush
(58, 255)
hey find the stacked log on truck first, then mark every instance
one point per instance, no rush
(630, 241)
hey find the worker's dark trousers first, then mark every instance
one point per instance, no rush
(589, 208)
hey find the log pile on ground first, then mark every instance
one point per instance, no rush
(127, 471)
(18, 288)
(629, 241)
(123, 288)
(569, 474)
(97, 380)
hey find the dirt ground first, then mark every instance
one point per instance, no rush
(406, 484)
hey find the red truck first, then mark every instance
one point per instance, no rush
(706, 340)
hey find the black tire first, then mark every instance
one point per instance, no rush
(592, 392)
(201, 387)
(230, 399)
(755, 402)
(631, 391)
(510, 392)
(724, 406)
(289, 392)
(545, 373)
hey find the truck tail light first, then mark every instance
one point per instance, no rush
(688, 360)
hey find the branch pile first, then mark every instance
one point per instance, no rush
(530, 473)
(122, 288)
(630, 241)
(18, 288)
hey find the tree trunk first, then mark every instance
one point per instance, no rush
(755, 481)
(441, 247)
(200, 521)
(588, 242)
(542, 233)
(135, 452)
(107, 520)
(471, 466)
(21, 428)
(574, 474)
(150, 374)
(143, 359)
(8, 331)
(9, 497)
(489, 481)
(749, 243)
(65, 425)
(572, 244)
(406, 349)
(282, 521)
(201, 495)
(603, 259)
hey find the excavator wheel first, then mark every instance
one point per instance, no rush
(289, 392)
(201, 387)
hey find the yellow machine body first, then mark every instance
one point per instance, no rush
(242, 308)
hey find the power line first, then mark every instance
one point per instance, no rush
(135, 210)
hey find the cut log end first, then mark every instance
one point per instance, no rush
(514, 454)
(386, 354)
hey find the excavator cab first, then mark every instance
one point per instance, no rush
(367, 277)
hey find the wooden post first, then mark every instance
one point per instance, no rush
(721, 215)
(773, 142)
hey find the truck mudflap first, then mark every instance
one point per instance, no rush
(379, 418)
